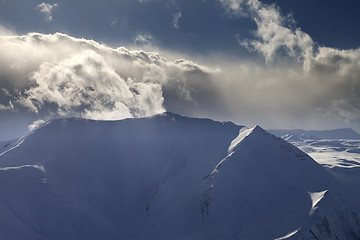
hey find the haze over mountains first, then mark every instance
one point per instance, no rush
(167, 177)
(296, 134)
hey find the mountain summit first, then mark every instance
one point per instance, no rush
(166, 177)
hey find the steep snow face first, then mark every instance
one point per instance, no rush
(316, 198)
(274, 186)
(164, 177)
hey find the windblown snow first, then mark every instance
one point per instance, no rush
(167, 177)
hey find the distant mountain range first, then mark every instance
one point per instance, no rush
(343, 133)
(167, 177)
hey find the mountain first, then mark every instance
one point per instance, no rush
(336, 150)
(167, 177)
(8, 145)
(297, 134)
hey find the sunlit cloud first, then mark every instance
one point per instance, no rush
(35, 125)
(297, 83)
(275, 36)
(5, 32)
(9, 106)
(61, 75)
(66, 76)
(315, 81)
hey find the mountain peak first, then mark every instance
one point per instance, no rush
(259, 130)
(244, 133)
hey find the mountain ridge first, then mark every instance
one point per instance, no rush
(161, 177)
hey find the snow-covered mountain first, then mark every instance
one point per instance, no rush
(167, 177)
(8, 145)
(338, 151)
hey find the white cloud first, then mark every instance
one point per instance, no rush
(35, 125)
(47, 9)
(275, 35)
(64, 76)
(10, 106)
(330, 77)
(143, 38)
(234, 7)
(59, 75)
(86, 84)
(5, 32)
(176, 18)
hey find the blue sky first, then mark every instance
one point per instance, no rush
(331, 23)
(282, 64)
(203, 26)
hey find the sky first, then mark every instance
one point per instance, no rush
(277, 63)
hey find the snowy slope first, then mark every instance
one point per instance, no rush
(8, 145)
(338, 153)
(166, 177)
(278, 179)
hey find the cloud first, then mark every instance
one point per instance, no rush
(143, 38)
(10, 106)
(46, 9)
(58, 75)
(176, 18)
(327, 78)
(5, 32)
(86, 84)
(339, 71)
(35, 125)
(275, 36)
(234, 7)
